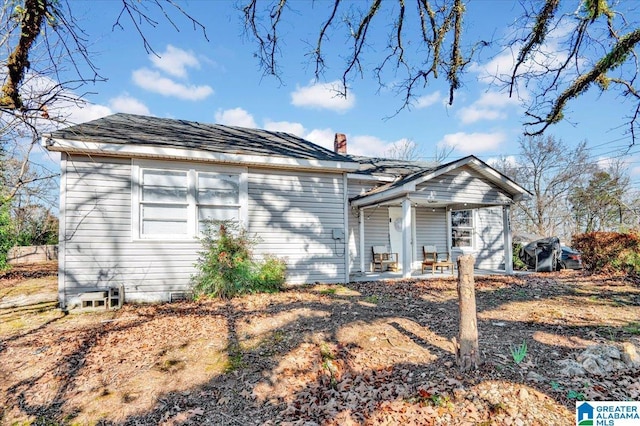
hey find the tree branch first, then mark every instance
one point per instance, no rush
(613, 59)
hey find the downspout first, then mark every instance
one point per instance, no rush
(62, 233)
(361, 237)
(447, 215)
(345, 241)
(508, 246)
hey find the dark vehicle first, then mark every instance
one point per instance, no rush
(571, 259)
(542, 255)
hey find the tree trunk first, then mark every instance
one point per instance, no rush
(467, 353)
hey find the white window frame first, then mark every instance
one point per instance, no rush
(471, 228)
(192, 170)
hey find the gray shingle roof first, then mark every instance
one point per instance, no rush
(164, 132)
(389, 167)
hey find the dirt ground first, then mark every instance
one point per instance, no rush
(374, 353)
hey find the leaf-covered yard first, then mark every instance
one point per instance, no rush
(366, 353)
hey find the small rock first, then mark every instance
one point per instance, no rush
(591, 366)
(600, 351)
(630, 355)
(535, 377)
(523, 394)
(569, 367)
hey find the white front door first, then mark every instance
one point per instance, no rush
(395, 232)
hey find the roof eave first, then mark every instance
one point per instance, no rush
(172, 153)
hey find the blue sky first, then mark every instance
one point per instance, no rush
(218, 81)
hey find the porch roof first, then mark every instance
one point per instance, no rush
(405, 187)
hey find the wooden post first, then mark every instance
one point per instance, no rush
(467, 352)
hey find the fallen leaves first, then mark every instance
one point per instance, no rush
(372, 353)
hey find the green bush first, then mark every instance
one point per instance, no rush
(609, 251)
(226, 267)
(518, 264)
(6, 235)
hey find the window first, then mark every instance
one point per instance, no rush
(462, 228)
(163, 203)
(176, 203)
(218, 197)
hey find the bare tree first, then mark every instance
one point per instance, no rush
(560, 48)
(45, 40)
(549, 170)
(596, 47)
(405, 149)
(603, 202)
(47, 63)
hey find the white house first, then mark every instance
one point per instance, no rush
(135, 190)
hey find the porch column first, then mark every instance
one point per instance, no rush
(508, 247)
(407, 253)
(361, 238)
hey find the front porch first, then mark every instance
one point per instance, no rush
(418, 275)
(461, 208)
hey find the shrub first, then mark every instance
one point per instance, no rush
(270, 275)
(609, 251)
(6, 235)
(518, 264)
(226, 267)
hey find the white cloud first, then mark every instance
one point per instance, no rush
(174, 61)
(322, 137)
(285, 126)
(473, 143)
(490, 106)
(86, 112)
(370, 146)
(500, 65)
(128, 104)
(235, 117)
(427, 100)
(155, 82)
(472, 114)
(323, 96)
(65, 108)
(550, 55)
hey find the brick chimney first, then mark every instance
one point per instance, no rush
(340, 143)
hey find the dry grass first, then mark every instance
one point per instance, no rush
(381, 349)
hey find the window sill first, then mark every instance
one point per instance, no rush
(166, 240)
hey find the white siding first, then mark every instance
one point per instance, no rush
(355, 188)
(98, 247)
(376, 232)
(463, 186)
(293, 214)
(431, 229)
(490, 239)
